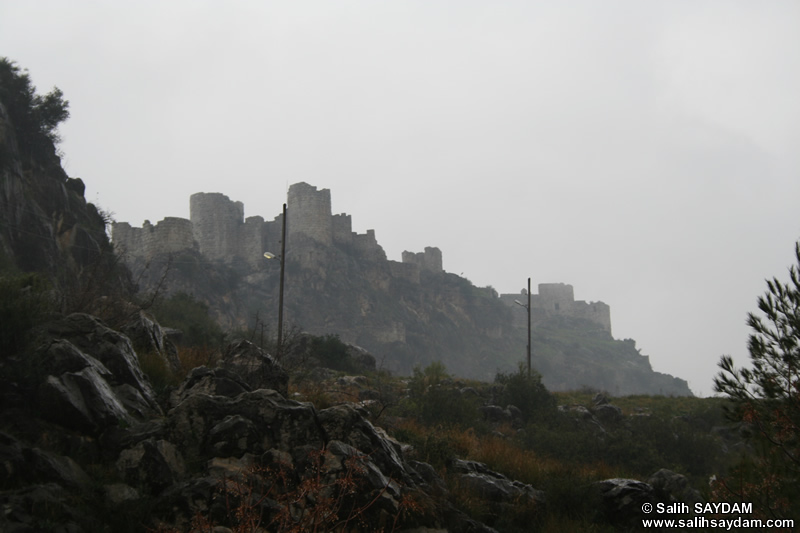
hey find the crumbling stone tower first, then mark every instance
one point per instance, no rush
(216, 222)
(430, 259)
(309, 213)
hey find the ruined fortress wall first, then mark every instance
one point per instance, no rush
(169, 235)
(366, 245)
(343, 229)
(273, 233)
(557, 299)
(555, 296)
(597, 312)
(407, 271)
(127, 239)
(309, 213)
(216, 221)
(252, 240)
(430, 259)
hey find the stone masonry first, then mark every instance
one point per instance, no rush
(217, 229)
(559, 299)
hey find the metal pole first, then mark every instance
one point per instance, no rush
(280, 294)
(529, 327)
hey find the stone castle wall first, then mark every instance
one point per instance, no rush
(430, 259)
(558, 299)
(309, 213)
(169, 235)
(216, 222)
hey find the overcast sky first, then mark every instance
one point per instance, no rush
(644, 152)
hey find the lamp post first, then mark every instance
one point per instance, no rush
(528, 308)
(268, 255)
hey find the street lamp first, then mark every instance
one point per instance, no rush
(528, 308)
(268, 255)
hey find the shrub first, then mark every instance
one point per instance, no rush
(25, 302)
(526, 392)
(189, 315)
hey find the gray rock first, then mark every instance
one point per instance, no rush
(209, 381)
(495, 413)
(147, 334)
(118, 493)
(608, 413)
(82, 400)
(494, 486)
(277, 422)
(622, 500)
(154, 464)
(255, 367)
(600, 399)
(673, 487)
(111, 348)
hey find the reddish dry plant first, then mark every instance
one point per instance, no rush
(274, 499)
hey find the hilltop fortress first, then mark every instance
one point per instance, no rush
(218, 230)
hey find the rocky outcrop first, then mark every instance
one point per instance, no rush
(46, 225)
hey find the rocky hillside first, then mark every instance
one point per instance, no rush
(443, 317)
(109, 427)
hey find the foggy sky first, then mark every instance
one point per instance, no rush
(644, 152)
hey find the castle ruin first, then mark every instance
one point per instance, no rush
(218, 230)
(558, 299)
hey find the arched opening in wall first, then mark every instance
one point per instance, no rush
(557, 307)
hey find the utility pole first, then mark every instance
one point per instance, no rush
(528, 308)
(529, 327)
(280, 293)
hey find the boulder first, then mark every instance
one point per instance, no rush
(82, 401)
(209, 381)
(495, 414)
(147, 334)
(493, 486)
(622, 500)
(672, 487)
(255, 367)
(153, 464)
(113, 349)
(276, 423)
(608, 413)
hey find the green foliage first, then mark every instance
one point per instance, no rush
(526, 392)
(35, 117)
(767, 397)
(25, 302)
(332, 353)
(433, 402)
(183, 312)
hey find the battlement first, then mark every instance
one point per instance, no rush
(430, 259)
(169, 235)
(217, 228)
(557, 299)
(310, 213)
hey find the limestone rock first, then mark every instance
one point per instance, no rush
(494, 486)
(81, 400)
(110, 347)
(147, 334)
(673, 487)
(212, 382)
(255, 367)
(155, 464)
(622, 500)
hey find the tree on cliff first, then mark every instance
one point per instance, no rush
(767, 399)
(35, 117)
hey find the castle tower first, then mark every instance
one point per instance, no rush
(216, 222)
(309, 213)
